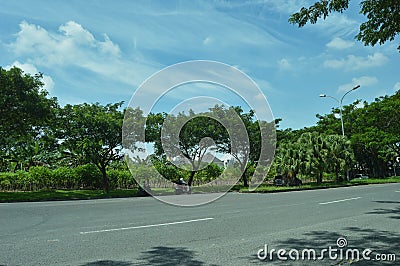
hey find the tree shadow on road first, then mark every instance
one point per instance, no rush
(392, 213)
(380, 241)
(107, 263)
(169, 256)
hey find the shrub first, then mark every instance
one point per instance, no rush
(88, 176)
(38, 176)
(65, 177)
(6, 181)
(120, 178)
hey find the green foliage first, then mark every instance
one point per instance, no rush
(373, 131)
(317, 10)
(89, 176)
(314, 153)
(198, 135)
(41, 195)
(25, 115)
(86, 176)
(208, 174)
(44, 146)
(65, 177)
(41, 177)
(121, 178)
(168, 170)
(8, 181)
(92, 133)
(23, 104)
(382, 23)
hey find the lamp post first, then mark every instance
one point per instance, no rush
(340, 104)
(341, 111)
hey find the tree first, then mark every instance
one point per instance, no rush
(188, 138)
(91, 133)
(252, 143)
(383, 16)
(340, 154)
(290, 158)
(373, 131)
(26, 114)
(246, 143)
(315, 149)
(376, 134)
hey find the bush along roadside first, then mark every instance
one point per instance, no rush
(66, 178)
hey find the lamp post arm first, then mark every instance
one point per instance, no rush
(354, 88)
(341, 100)
(333, 98)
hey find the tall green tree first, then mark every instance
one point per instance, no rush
(92, 133)
(373, 130)
(290, 159)
(316, 152)
(376, 134)
(340, 155)
(246, 144)
(189, 137)
(383, 18)
(26, 114)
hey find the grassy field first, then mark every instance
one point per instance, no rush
(48, 195)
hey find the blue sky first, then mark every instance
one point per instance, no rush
(101, 51)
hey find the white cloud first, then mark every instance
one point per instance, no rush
(352, 62)
(74, 45)
(32, 70)
(108, 47)
(339, 44)
(77, 33)
(336, 24)
(363, 81)
(207, 40)
(48, 83)
(284, 6)
(284, 64)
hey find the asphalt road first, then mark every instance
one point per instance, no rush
(229, 231)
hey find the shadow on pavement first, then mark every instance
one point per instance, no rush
(169, 256)
(392, 213)
(107, 263)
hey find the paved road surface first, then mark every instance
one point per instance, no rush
(229, 231)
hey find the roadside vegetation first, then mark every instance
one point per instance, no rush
(270, 188)
(48, 151)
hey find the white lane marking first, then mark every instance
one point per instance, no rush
(398, 191)
(335, 201)
(145, 226)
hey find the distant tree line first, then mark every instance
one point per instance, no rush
(44, 145)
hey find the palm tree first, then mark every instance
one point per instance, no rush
(315, 152)
(340, 154)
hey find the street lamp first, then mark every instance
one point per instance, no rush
(341, 111)
(340, 104)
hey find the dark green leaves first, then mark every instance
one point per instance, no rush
(383, 18)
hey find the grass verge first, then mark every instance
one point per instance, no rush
(48, 195)
(268, 188)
